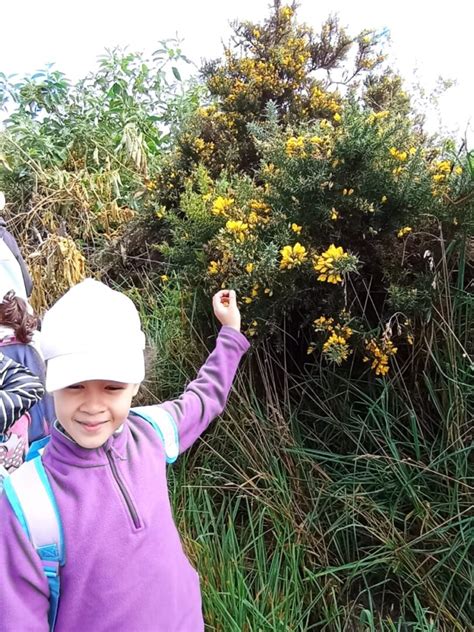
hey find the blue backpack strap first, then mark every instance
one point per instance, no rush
(37, 447)
(30, 495)
(165, 427)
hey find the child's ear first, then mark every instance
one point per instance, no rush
(135, 389)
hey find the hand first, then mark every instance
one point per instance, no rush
(225, 308)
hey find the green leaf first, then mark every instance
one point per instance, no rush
(176, 73)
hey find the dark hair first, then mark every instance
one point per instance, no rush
(14, 313)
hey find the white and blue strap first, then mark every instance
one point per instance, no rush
(165, 427)
(31, 497)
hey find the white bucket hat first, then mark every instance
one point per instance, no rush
(92, 333)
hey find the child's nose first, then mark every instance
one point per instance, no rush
(93, 406)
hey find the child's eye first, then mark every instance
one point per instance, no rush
(114, 388)
(74, 387)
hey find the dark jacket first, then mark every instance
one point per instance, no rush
(42, 413)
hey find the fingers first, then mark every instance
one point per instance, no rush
(225, 297)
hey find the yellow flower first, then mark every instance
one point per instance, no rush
(458, 170)
(257, 205)
(164, 278)
(444, 166)
(199, 144)
(292, 256)
(295, 146)
(384, 199)
(249, 268)
(378, 355)
(334, 214)
(332, 263)
(238, 228)
(337, 117)
(404, 231)
(253, 218)
(347, 191)
(295, 228)
(222, 205)
(398, 154)
(213, 268)
(439, 177)
(336, 348)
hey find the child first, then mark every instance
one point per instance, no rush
(18, 340)
(19, 391)
(125, 568)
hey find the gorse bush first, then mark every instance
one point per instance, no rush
(336, 494)
(343, 220)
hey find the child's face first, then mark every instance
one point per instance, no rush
(91, 411)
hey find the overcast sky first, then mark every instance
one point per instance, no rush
(434, 40)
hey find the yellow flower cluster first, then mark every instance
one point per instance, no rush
(237, 228)
(150, 185)
(296, 228)
(301, 147)
(321, 101)
(378, 355)
(402, 155)
(331, 264)
(404, 231)
(295, 147)
(213, 268)
(222, 205)
(441, 173)
(292, 256)
(286, 13)
(377, 116)
(443, 169)
(259, 213)
(336, 347)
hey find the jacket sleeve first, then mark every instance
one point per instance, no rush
(206, 396)
(19, 391)
(24, 592)
(12, 244)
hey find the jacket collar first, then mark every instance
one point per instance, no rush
(61, 448)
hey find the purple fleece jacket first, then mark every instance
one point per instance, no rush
(123, 573)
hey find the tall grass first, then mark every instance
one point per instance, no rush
(320, 502)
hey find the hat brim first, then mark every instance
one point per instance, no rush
(73, 368)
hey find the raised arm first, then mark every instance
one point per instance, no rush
(206, 396)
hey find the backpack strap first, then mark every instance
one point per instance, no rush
(165, 427)
(30, 495)
(37, 448)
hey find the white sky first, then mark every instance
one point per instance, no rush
(433, 38)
